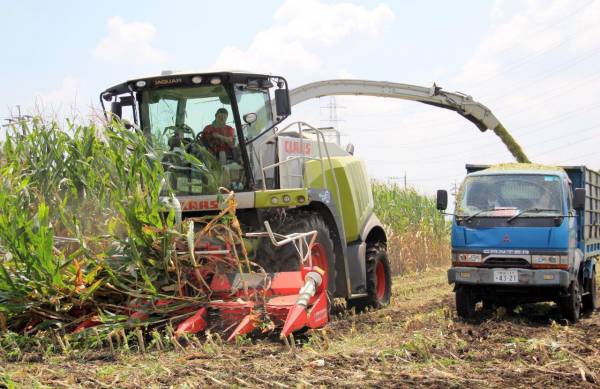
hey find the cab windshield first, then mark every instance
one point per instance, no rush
(509, 194)
(193, 129)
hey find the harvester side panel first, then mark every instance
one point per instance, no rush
(355, 197)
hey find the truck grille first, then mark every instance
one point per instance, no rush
(506, 262)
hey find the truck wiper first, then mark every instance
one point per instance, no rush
(536, 210)
(477, 213)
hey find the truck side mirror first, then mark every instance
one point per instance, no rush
(442, 200)
(579, 199)
(116, 108)
(282, 102)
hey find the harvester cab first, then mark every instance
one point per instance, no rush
(219, 129)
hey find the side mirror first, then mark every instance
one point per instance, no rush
(442, 200)
(282, 102)
(116, 108)
(250, 118)
(579, 199)
(350, 149)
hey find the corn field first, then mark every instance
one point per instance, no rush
(84, 236)
(418, 235)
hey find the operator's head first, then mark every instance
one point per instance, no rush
(221, 117)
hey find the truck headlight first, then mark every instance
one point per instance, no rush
(466, 257)
(550, 261)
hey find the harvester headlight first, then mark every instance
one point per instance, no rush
(140, 83)
(286, 198)
(215, 81)
(468, 257)
(301, 199)
(274, 200)
(196, 79)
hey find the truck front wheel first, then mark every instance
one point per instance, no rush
(465, 302)
(570, 305)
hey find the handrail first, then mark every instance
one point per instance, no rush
(296, 238)
(320, 138)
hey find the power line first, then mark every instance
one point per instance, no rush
(536, 32)
(445, 159)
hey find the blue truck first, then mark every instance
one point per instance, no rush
(525, 233)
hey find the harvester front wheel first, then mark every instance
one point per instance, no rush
(379, 280)
(323, 253)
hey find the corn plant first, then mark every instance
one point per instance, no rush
(83, 230)
(418, 235)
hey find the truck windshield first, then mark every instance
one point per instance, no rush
(507, 194)
(193, 129)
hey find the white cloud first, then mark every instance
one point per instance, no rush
(131, 41)
(60, 102)
(536, 68)
(305, 35)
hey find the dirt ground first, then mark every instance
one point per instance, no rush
(416, 341)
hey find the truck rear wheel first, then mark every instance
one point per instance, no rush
(590, 300)
(379, 280)
(465, 302)
(570, 305)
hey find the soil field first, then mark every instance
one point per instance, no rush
(416, 341)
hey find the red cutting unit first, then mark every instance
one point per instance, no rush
(243, 302)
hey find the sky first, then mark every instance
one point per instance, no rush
(534, 63)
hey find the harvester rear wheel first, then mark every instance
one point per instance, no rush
(379, 280)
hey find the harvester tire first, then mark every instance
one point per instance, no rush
(590, 300)
(570, 304)
(379, 280)
(286, 257)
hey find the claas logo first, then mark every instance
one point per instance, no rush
(295, 147)
(199, 205)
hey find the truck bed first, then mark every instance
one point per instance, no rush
(582, 177)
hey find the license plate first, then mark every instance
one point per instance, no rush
(506, 276)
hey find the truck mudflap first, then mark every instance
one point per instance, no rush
(506, 277)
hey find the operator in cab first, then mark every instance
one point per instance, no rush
(218, 137)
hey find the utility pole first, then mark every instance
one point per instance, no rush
(405, 180)
(333, 107)
(454, 189)
(12, 120)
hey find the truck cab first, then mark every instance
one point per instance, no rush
(525, 233)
